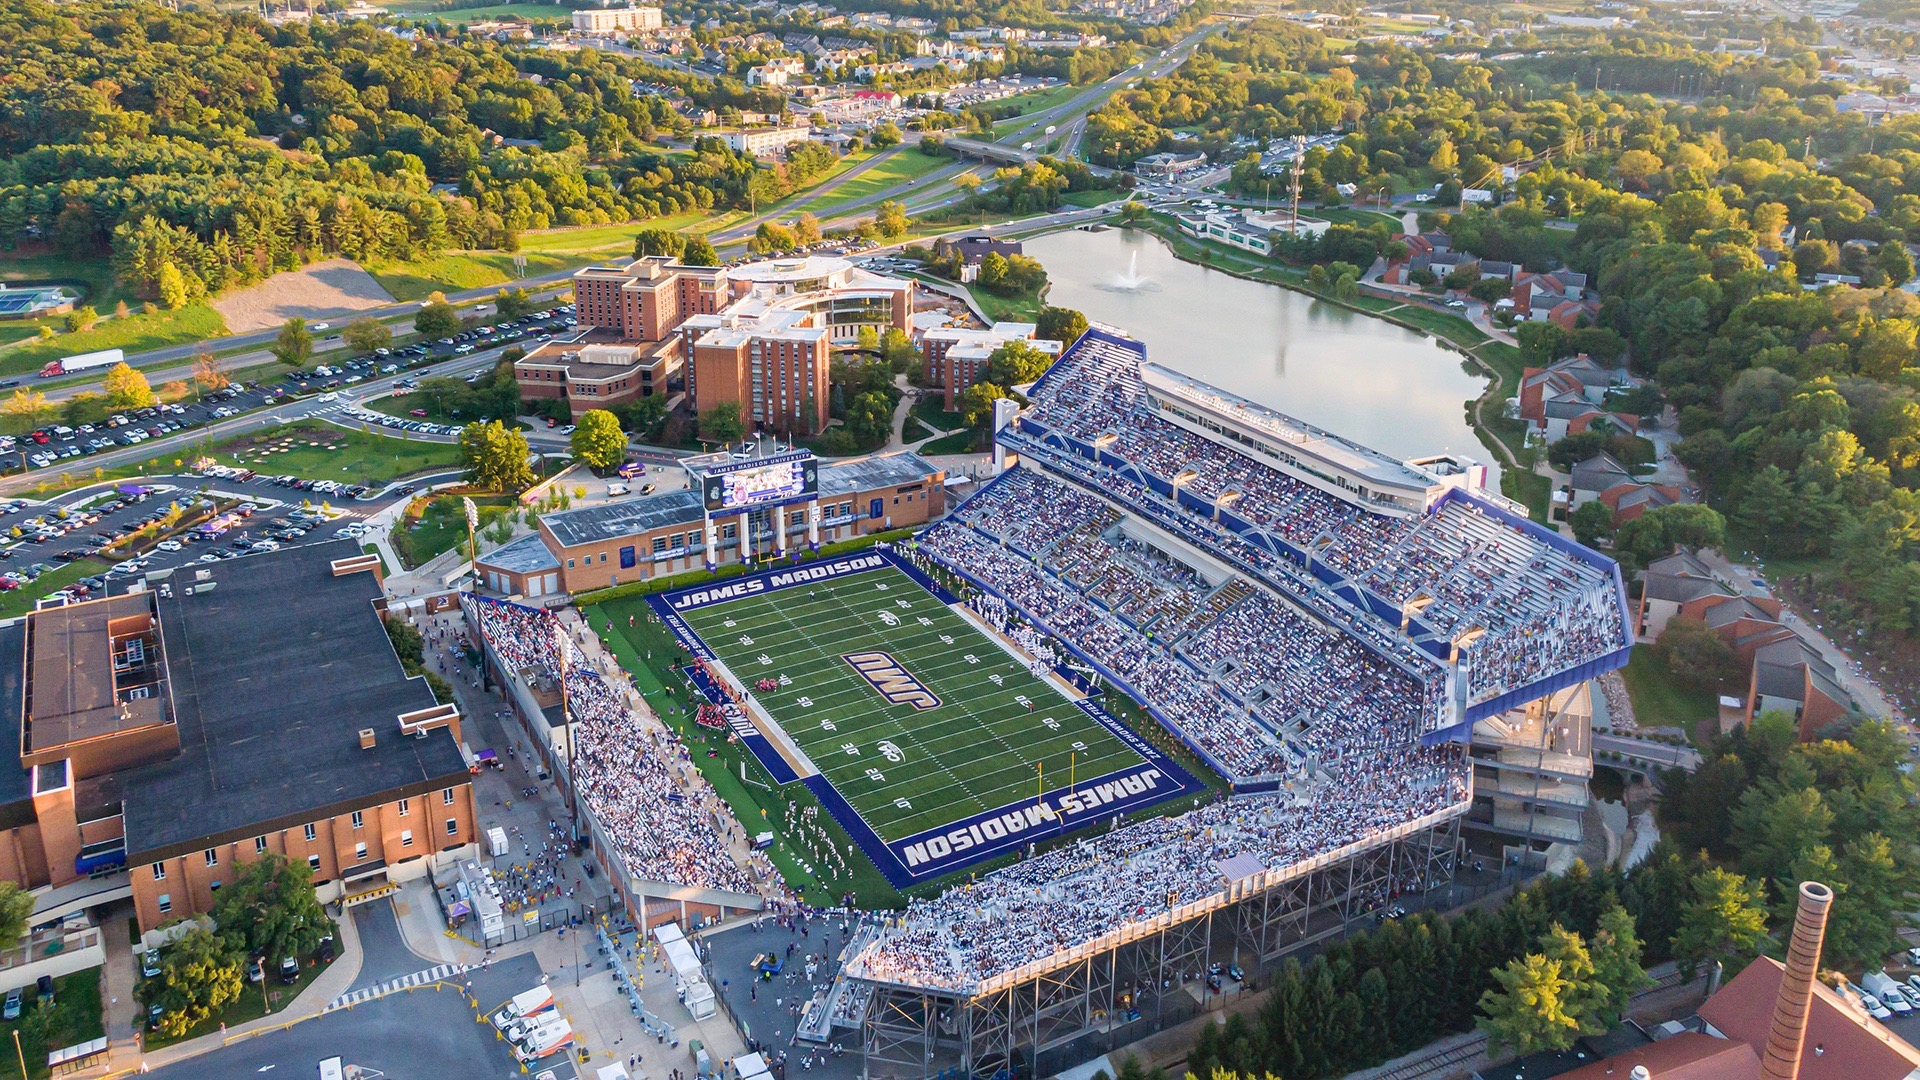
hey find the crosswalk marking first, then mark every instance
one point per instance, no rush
(394, 986)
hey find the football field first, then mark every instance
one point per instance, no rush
(916, 718)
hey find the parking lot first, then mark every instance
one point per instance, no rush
(260, 514)
(62, 445)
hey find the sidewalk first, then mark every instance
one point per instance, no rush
(126, 1057)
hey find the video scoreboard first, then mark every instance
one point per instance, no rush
(746, 485)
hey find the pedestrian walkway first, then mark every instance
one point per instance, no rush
(394, 986)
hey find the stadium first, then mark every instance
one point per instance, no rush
(1316, 623)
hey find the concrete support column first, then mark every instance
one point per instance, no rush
(780, 530)
(813, 525)
(746, 537)
(713, 545)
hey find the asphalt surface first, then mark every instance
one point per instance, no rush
(384, 955)
(423, 1033)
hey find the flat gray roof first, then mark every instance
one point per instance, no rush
(275, 670)
(1336, 451)
(610, 521)
(676, 509)
(527, 555)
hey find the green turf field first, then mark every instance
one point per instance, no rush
(904, 767)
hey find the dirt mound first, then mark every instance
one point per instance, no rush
(323, 290)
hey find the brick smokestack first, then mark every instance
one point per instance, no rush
(1789, 1031)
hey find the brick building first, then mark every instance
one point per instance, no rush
(760, 334)
(158, 729)
(957, 356)
(629, 540)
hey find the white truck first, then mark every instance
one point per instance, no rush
(524, 1004)
(68, 365)
(544, 1041)
(1890, 993)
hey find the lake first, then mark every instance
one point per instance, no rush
(1370, 380)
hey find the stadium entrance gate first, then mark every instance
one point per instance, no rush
(1096, 1003)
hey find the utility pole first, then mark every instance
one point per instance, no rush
(1293, 184)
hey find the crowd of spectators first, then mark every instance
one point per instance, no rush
(667, 824)
(1543, 609)
(1074, 894)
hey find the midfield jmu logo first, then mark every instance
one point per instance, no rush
(891, 681)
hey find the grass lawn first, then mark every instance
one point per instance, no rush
(444, 524)
(960, 442)
(1658, 701)
(902, 164)
(1442, 324)
(78, 1020)
(404, 404)
(135, 333)
(463, 16)
(255, 1001)
(1028, 104)
(929, 412)
(1091, 197)
(1025, 306)
(21, 600)
(454, 271)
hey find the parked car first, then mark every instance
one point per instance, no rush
(289, 970)
(11, 1011)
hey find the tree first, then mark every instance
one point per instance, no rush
(207, 374)
(1617, 970)
(1015, 363)
(658, 242)
(1063, 325)
(200, 974)
(1573, 449)
(1528, 1013)
(1656, 533)
(772, 238)
(598, 440)
(643, 415)
(25, 408)
(126, 387)
(171, 287)
(869, 419)
(1592, 523)
(1696, 656)
(1133, 212)
(269, 909)
(495, 456)
(806, 229)
(885, 134)
(294, 346)
(365, 334)
(1725, 920)
(976, 403)
(699, 252)
(16, 907)
(80, 318)
(1541, 343)
(512, 303)
(722, 422)
(891, 219)
(437, 319)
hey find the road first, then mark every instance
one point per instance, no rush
(1664, 754)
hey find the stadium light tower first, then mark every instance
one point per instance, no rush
(566, 725)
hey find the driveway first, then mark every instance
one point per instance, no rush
(384, 955)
